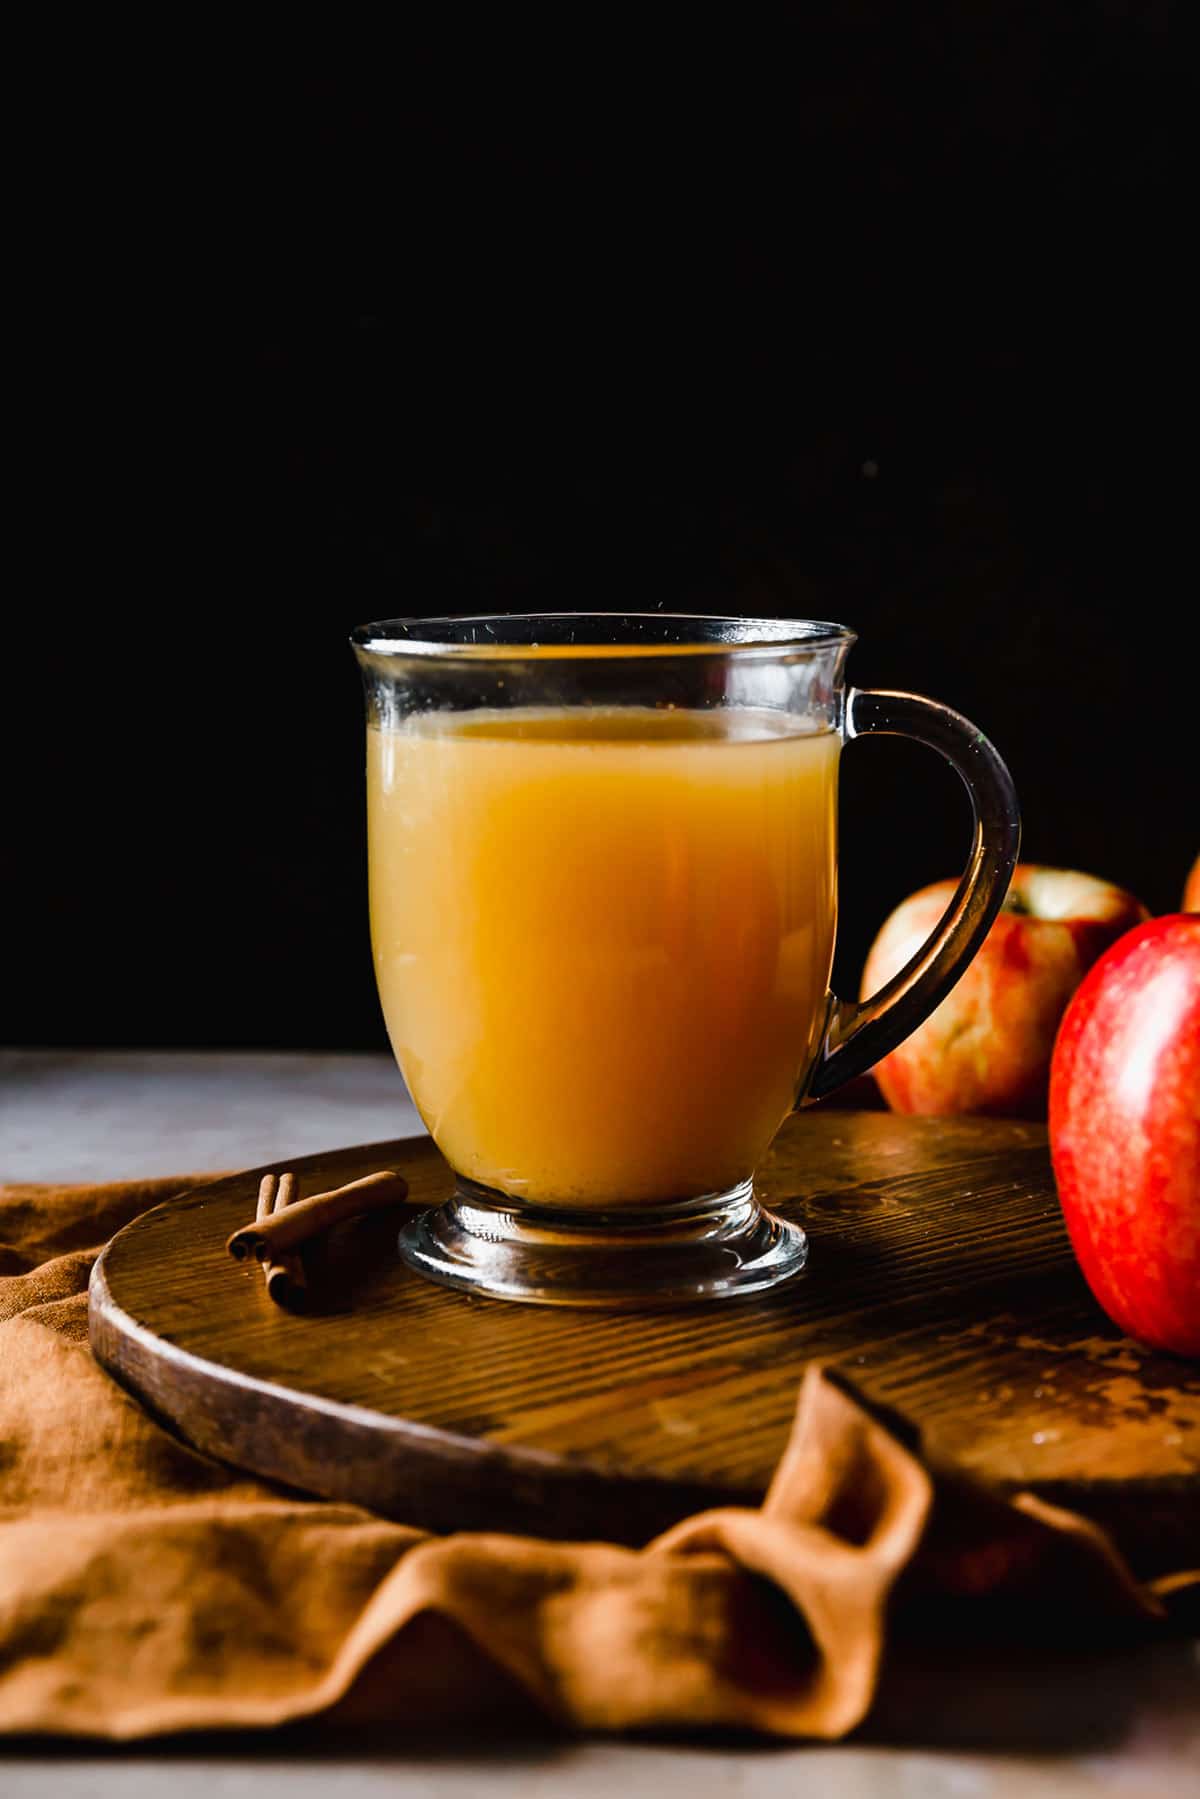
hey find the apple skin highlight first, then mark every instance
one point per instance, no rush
(1125, 1131)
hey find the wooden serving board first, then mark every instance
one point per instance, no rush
(940, 1280)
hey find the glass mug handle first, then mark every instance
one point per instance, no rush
(859, 1035)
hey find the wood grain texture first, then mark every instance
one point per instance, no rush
(940, 1280)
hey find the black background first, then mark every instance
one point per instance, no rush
(872, 322)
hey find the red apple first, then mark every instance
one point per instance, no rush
(1125, 1131)
(1191, 891)
(987, 1047)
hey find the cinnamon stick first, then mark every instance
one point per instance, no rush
(283, 1271)
(286, 1229)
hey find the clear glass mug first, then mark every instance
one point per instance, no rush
(603, 905)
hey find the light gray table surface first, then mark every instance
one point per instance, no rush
(1125, 1723)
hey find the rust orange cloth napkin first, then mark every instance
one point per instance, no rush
(146, 1589)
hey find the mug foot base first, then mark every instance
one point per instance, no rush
(722, 1246)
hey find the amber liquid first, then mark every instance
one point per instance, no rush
(603, 940)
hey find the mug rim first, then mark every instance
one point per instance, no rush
(743, 637)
